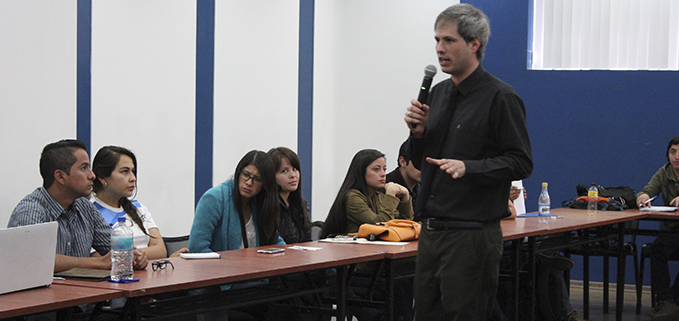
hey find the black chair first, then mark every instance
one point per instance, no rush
(646, 254)
(316, 228)
(606, 250)
(173, 244)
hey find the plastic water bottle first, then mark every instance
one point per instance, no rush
(543, 205)
(592, 199)
(122, 253)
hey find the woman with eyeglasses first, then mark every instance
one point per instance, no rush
(294, 224)
(241, 212)
(116, 183)
(365, 197)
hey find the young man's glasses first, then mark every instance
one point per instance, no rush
(161, 265)
(245, 176)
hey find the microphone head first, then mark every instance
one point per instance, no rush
(430, 71)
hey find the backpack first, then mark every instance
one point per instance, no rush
(624, 195)
(581, 203)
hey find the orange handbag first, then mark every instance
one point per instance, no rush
(394, 230)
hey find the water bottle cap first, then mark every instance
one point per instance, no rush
(544, 183)
(121, 218)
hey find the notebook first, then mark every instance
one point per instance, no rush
(27, 256)
(85, 274)
(659, 209)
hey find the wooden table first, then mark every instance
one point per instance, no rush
(238, 266)
(54, 297)
(656, 216)
(247, 264)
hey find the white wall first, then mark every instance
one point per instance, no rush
(37, 90)
(369, 60)
(256, 51)
(143, 98)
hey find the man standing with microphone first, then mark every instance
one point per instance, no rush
(470, 141)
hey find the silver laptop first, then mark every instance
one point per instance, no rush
(27, 256)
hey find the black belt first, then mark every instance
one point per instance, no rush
(434, 224)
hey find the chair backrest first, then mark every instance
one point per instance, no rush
(316, 230)
(173, 244)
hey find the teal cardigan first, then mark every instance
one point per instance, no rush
(216, 225)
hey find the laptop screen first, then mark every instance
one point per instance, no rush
(27, 254)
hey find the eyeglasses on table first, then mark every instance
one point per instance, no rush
(161, 265)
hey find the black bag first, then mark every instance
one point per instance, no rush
(611, 205)
(624, 195)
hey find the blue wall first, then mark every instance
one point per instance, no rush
(606, 127)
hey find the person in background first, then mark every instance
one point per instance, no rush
(116, 171)
(241, 212)
(665, 181)
(406, 174)
(470, 141)
(365, 197)
(552, 260)
(67, 182)
(295, 226)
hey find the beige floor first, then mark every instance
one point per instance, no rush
(596, 302)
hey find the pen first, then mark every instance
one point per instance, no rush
(649, 200)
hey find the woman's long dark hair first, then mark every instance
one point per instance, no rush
(295, 198)
(266, 200)
(336, 222)
(103, 165)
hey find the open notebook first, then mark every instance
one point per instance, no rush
(27, 256)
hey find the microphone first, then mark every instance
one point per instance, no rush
(429, 73)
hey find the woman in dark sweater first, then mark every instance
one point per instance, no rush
(294, 225)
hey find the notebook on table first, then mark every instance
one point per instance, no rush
(85, 274)
(27, 256)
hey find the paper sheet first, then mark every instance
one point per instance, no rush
(361, 241)
(305, 248)
(659, 209)
(189, 256)
(519, 203)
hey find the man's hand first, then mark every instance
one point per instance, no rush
(454, 167)
(641, 201)
(514, 193)
(417, 114)
(105, 261)
(675, 201)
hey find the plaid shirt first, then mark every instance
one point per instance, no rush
(81, 226)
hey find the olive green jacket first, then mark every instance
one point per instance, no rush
(664, 182)
(379, 208)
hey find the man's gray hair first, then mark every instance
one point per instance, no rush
(471, 23)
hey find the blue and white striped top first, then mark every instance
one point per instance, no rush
(81, 226)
